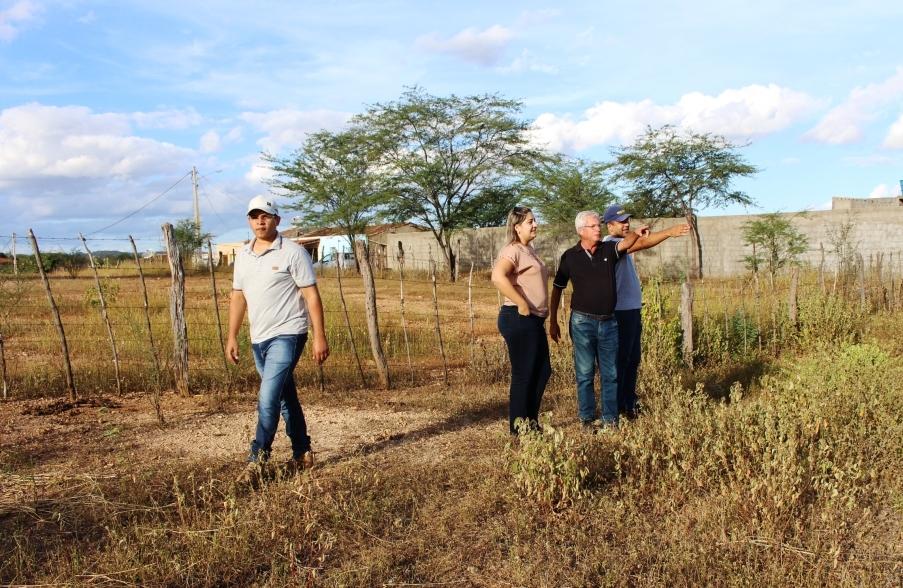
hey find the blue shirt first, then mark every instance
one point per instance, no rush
(627, 282)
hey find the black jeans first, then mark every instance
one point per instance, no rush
(528, 350)
(630, 330)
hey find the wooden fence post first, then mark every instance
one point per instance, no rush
(177, 312)
(3, 367)
(861, 282)
(792, 302)
(103, 313)
(15, 257)
(821, 269)
(357, 359)
(219, 321)
(155, 394)
(473, 337)
(404, 324)
(686, 321)
(438, 328)
(376, 348)
(67, 364)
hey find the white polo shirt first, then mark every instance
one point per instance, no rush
(270, 282)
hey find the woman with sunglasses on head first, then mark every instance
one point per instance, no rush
(523, 279)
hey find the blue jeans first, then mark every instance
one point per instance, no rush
(595, 340)
(630, 330)
(528, 350)
(276, 359)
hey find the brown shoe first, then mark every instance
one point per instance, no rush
(307, 459)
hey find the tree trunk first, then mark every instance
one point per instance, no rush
(697, 242)
(382, 367)
(686, 321)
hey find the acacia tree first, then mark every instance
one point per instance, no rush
(559, 187)
(335, 181)
(189, 238)
(775, 241)
(452, 158)
(669, 173)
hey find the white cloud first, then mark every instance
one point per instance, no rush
(38, 141)
(481, 47)
(885, 191)
(894, 138)
(843, 124)
(173, 119)
(736, 113)
(289, 128)
(527, 62)
(13, 18)
(210, 142)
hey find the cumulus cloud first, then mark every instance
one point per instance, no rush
(894, 138)
(289, 128)
(885, 191)
(12, 19)
(484, 47)
(73, 142)
(843, 124)
(736, 113)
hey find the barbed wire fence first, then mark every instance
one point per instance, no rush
(108, 329)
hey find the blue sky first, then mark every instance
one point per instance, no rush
(104, 105)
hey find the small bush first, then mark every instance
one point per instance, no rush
(548, 467)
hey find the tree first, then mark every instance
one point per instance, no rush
(335, 181)
(775, 241)
(189, 238)
(557, 188)
(451, 157)
(670, 173)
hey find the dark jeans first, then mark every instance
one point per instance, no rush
(630, 328)
(595, 341)
(528, 350)
(276, 359)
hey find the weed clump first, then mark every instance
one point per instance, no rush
(547, 467)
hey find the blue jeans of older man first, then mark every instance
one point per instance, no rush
(276, 359)
(595, 341)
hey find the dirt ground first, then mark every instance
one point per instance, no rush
(57, 439)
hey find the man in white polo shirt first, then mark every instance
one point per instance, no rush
(269, 274)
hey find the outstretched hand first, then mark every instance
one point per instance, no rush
(680, 230)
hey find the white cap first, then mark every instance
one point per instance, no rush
(264, 203)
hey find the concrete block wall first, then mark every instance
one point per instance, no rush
(873, 230)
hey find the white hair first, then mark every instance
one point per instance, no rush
(580, 221)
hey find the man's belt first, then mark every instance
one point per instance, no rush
(595, 317)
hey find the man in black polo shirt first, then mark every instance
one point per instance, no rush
(590, 267)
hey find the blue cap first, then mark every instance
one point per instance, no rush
(615, 212)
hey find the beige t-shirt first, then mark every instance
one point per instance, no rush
(530, 277)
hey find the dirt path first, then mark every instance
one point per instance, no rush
(54, 437)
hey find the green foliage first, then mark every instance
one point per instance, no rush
(826, 320)
(547, 467)
(189, 239)
(661, 359)
(448, 156)
(670, 173)
(110, 289)
(557, 188)
(776, 243)
(335, 181)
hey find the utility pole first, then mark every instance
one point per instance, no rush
(197, 205)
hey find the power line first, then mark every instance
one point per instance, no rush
(151, 201)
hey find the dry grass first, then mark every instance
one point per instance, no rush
(790, 476)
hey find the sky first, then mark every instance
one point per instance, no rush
(105, 106)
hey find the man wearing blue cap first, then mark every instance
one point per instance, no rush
(630, 301)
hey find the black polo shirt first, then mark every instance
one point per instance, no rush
(593, 278)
